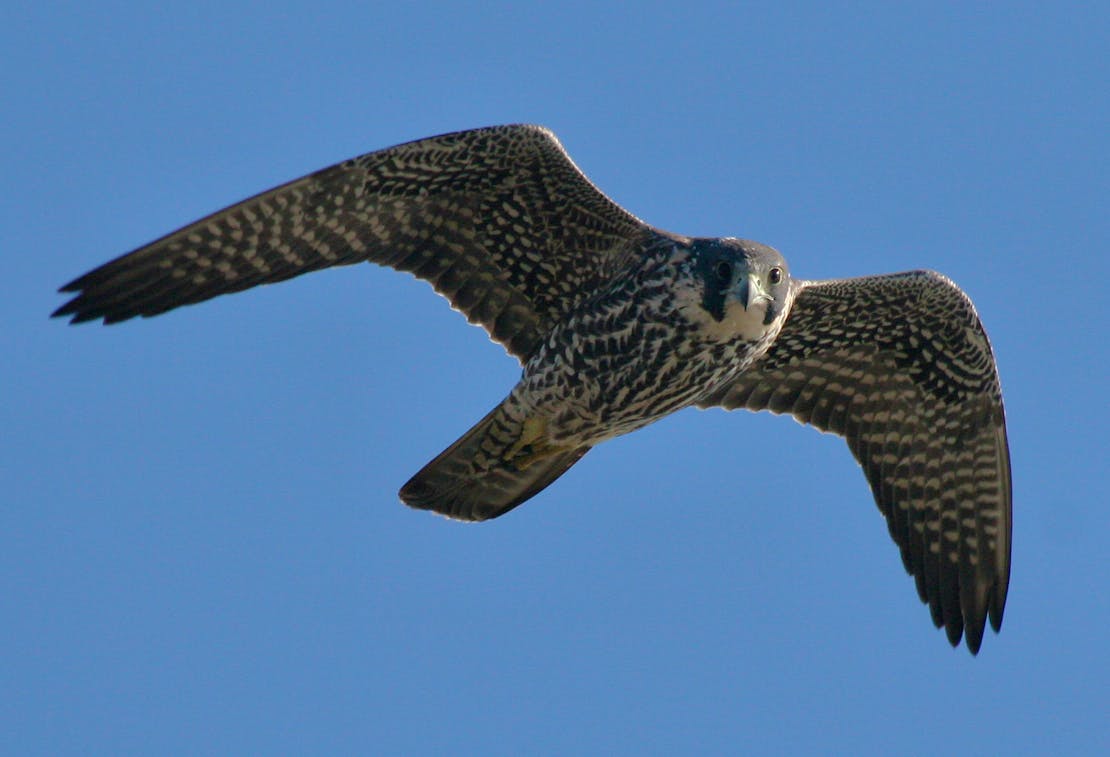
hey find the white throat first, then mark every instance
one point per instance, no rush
(738, 323)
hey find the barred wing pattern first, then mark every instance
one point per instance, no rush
(499, 220)
(901, 367)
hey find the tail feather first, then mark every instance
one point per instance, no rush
(490, 470)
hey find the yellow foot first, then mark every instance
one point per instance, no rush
(532, 444)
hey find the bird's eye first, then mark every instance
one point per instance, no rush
(723, 270)
(775, 275)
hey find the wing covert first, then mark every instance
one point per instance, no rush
(901, 367)
(499, 220)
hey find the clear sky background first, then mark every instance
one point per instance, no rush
(201, 546)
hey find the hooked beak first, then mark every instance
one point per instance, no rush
(750, 292)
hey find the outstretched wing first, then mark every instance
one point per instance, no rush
(901, 367)
(499, 220)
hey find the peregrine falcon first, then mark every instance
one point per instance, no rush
(618, 323)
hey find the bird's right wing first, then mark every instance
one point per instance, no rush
(900, 365)
(499, 220)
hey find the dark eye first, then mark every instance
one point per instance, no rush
(775, 276)
(723, 269)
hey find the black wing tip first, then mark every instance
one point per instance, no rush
(973, 637)
(78, 307)
(992, 613)
(73, 308)
(971, 630)
(63, 311)
(80, 311)
(954, 628)
(996, 618)
(955, 631)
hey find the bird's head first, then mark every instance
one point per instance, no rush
(744, 287)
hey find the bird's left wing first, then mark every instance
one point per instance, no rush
(499, 220)
(900, 365)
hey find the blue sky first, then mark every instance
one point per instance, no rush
(201, 547)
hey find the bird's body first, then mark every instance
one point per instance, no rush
(643, 348)
(618, 324)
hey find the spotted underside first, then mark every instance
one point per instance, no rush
(901, 367)
(503, 224)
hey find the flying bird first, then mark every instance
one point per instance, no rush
(618, 323)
